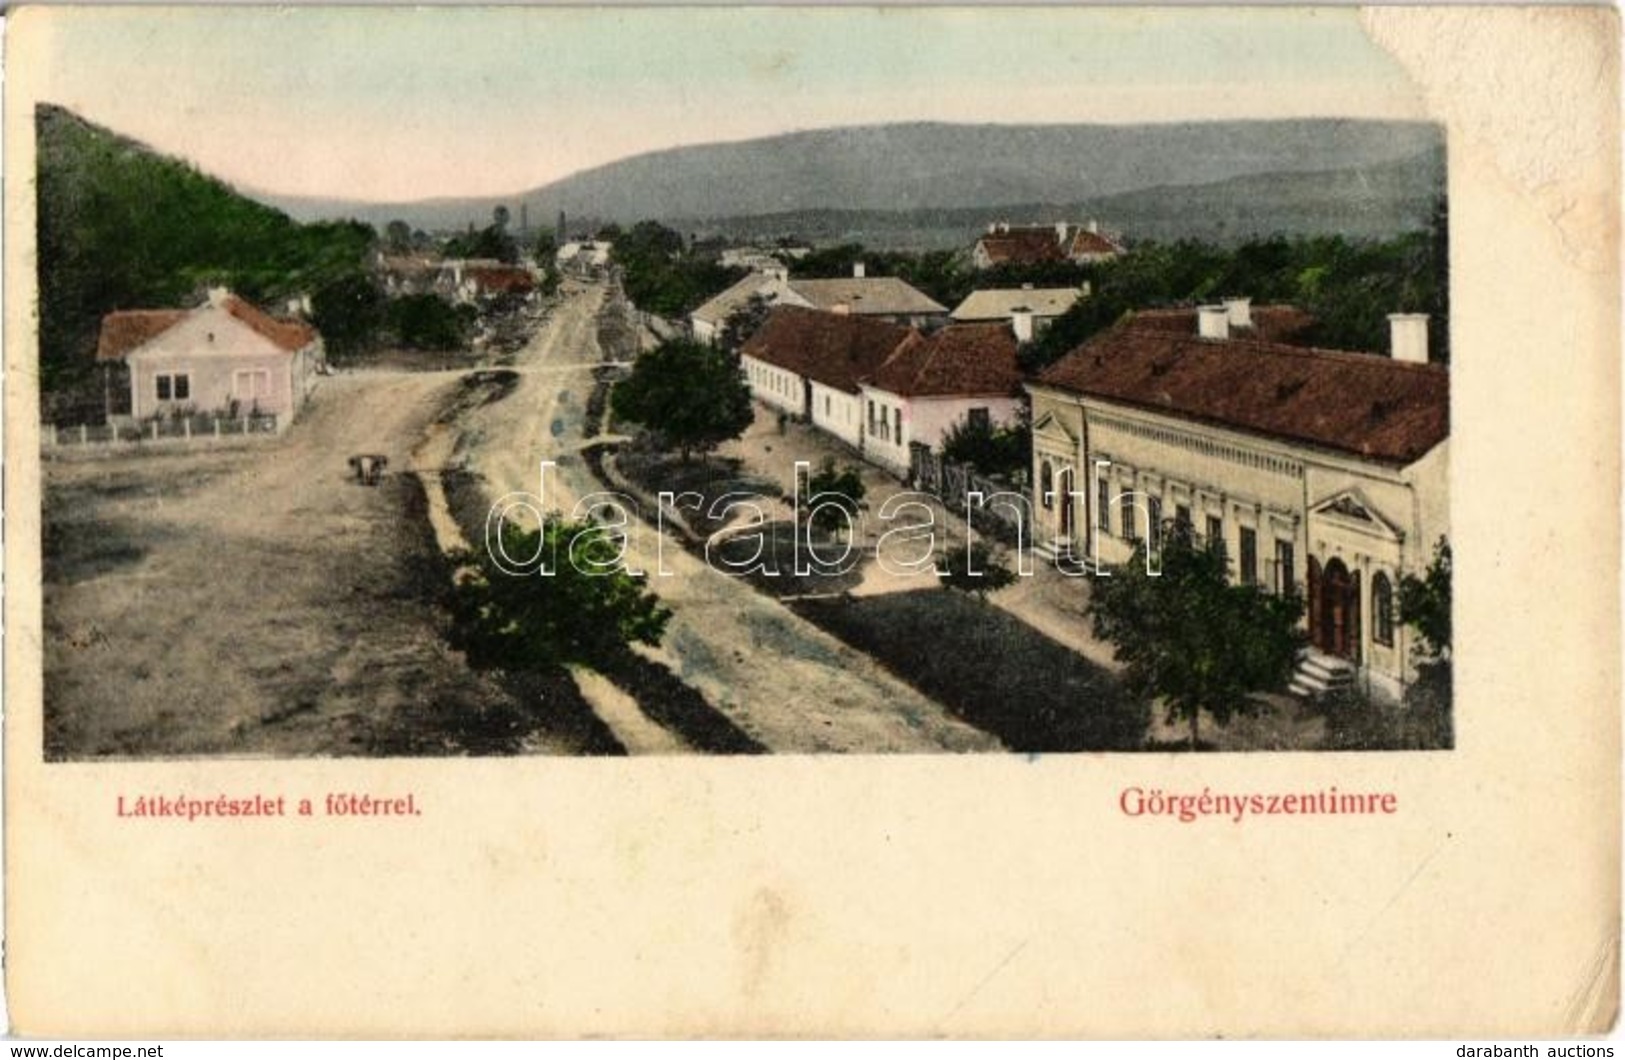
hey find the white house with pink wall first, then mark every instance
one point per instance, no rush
(961, 373)
(226, 356)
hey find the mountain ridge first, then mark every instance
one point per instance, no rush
(915, 165)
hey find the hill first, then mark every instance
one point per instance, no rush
(902, 168)
(1365, 202)
(121, 227)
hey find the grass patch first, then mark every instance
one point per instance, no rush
(989, 668)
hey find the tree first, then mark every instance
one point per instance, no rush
(587, 608)
(990, 450)
(975, 569)
(1188, 637)
(830, 491)
(692, 395)
(427, 322)
(1424, 605)
(398, 236)
(500, 217)
(742, 323)
(348, 312)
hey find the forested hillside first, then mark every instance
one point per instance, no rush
(123, 227)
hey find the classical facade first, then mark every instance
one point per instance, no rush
(1319, 472)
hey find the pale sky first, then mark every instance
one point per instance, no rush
(397, 105)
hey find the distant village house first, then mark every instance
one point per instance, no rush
(884, 298)
(1043, 244)
(1029, 310)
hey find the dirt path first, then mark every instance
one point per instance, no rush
(261, 601)
(779, 678)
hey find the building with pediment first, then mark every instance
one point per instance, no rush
(1319, 472)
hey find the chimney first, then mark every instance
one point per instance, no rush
(992, 228)
(1409, 332)
(1240, 311)
(218, 295)
(1060, 231)
(857, 270)
(1213, 322)
(1094, 227)
(1021, 322)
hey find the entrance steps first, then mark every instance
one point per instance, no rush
(1320, 674)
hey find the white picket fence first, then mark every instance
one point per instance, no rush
(170, 429)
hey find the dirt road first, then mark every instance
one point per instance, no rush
(783, 681)
(260, 601)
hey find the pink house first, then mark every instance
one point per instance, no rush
(226, 356)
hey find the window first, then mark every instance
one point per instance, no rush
(1127, 517)
(897, 418)
(1182, 516)
(1046, 485)
(826, 404)
(1215, 533)
(1249, 555)
(1382, 609)
(1284, 576)
(1154, 522)
(176, 386)
(1103, 505)
(977, 419)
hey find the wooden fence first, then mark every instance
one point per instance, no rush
(171, 429)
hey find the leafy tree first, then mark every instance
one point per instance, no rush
(428, 322)
(692, 395)
(975, 569)
(991, 450)
(742, 323)
(1188, 637)
(348, 312)
(828, 492)
(398, 236)
(660, 275)
(1424, 604)
(500, 217)
(491, 242)
(587, 610)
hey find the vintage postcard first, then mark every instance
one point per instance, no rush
(785, 521)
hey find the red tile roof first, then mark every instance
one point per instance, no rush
(835, 349)
(1086, 243)
(502, 280)
(1022, 246)
(1365, 404)
(1271, 323)
(291, 335)
(964, 359)
(125, 329)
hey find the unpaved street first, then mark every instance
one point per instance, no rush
(783, 681)
(260, 601)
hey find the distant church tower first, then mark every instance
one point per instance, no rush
(562, 236)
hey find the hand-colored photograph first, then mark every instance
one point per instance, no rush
(475, 383)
